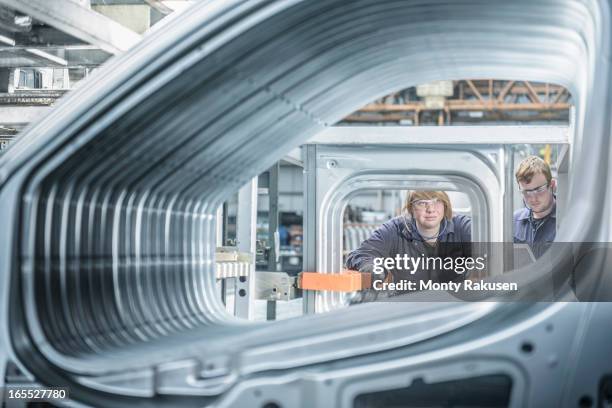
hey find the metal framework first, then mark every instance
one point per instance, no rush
(360, 135)
(473, 100)
(106, 261)
(80, 22)
(394, 157)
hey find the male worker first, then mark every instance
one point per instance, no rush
(535, 224)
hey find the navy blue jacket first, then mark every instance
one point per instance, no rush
(538, 237)
(400, 236)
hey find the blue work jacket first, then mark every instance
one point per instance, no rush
(400, 236)
(538, 237)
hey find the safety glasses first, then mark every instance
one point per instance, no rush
(535, 191)
(423, 204)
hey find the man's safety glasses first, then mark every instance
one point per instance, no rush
(535, 191)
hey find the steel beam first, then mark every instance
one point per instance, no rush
(294, 157)
(71, 56)
(442, 135)
(505, 90)
(273, 217)
(417, 119)
(5, 39)
(5, 79)
(80, 22)
(35, 97)
(310, 223)
(47, 56)
(43, 37)
(19, 115)
(464, 105)
(473, 88)
(159, 6)
(246, 233)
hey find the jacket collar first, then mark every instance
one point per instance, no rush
(410, 231)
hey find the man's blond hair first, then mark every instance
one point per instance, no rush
(529, 167)
(428, 195)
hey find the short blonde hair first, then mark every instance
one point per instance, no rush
(529, 167)
(428, 195)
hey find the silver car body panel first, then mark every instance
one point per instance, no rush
(106, 274)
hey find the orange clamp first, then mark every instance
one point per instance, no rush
(346, 281)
